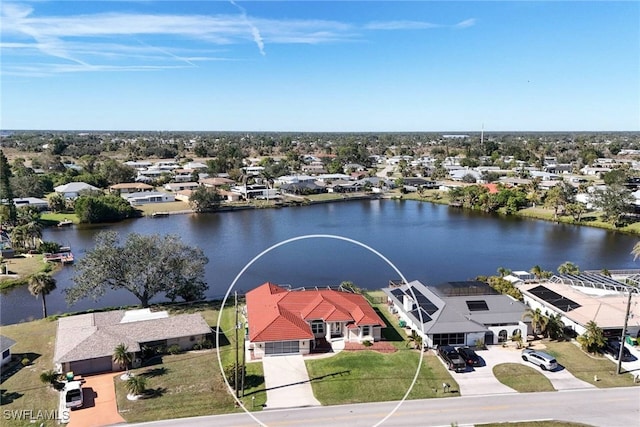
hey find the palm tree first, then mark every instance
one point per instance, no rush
(33, 231)
(122, 356)
(568, 268)
(42, 284)
(536, 270)
(539, 321)
(136, 386)
(555, 327)
(593, 338)
(636, 251)
(503, 271)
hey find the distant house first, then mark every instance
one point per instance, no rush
(5, 348)
(295, 322)
(146, 197)
(73, 189)
(85, 343)
(183, 175)
(457, 313)
(130, 187)
(216, 182)
(179, 186)
(34, 202)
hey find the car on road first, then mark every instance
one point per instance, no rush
(546, 361)
(452, 358)
(612, 347)
(73, 394)
(470, 356)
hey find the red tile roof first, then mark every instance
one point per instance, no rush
(277, 314)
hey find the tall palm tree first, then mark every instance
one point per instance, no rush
(636, 251)
(503, 271)
(536, 270)
(122, 356)
(539, 321)
(33, 230)
(42, 284)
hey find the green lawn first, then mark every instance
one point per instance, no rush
(370, 376)
(523, 379)
(187, 384)
(24, 266)
(54, 218)
(586, 366)
(23, 389)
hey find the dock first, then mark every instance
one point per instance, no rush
(62, 257)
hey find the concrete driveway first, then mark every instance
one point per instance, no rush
(481, 381)
(99, 407)
(287, 382)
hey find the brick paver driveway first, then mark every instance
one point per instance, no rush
(100, 407)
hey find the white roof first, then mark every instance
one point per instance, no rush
(142, 314)
(74, 187)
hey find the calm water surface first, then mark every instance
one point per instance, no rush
(431, 243)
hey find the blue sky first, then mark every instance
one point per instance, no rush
(320, 66)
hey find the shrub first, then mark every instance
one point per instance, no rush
(25, 361)
(367, 343)
(174, 349)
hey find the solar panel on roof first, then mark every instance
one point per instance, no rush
(555, 299)
(397, 293)
(425, 316)
(479, 305)
(425, 303)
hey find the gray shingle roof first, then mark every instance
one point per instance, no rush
(453, 314)
(93, 335)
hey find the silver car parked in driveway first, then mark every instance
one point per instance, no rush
(546, 361)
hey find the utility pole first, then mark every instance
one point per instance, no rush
(624, 330)
(237, 361)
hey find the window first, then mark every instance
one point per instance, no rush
(502, 336)
(317, 327)
(448, 339)
(516, 332)
(366, 330)
(5, 354)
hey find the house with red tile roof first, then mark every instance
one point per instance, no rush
(283, 321)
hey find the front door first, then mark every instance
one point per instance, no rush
(336, 329)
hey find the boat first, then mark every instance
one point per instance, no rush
(65, 223)
(159, 214)
(62, 257)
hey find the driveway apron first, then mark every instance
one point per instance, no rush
(100, 407)
(480, 380)
(287, 382)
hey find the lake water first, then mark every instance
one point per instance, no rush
(431, 243)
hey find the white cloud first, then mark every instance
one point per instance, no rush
(466, 23)
(138, 41)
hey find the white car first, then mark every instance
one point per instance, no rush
(546, 361)
(73, 394)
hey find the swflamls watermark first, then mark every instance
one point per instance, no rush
(35, 415)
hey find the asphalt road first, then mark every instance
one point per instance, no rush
(610, 407)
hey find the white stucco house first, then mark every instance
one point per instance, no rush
(457, 313)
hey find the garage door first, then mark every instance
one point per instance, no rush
(91, 366)
(282, 347)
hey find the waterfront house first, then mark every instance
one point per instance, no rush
(143, 198)
(130, 187)
(584, 297)
(33, 202)
(283, 321)
(5, 348)
(456, 313)
(174, 187)
(85, 342)
(73, 189)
